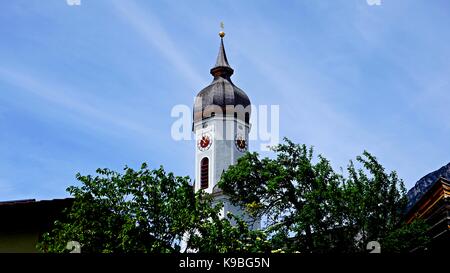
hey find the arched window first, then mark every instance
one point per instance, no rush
(204, 173)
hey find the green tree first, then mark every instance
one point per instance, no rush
(376, 202)
(312, 209)
(146, 211)
(306, 205)
(406, 238)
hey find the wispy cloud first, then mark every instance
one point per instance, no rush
(311, 119)
(150, 28)
(347, 77)
(306, 114)
(63, 96)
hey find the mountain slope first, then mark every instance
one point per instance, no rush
(425, 183)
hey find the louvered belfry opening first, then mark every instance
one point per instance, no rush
(204, 173)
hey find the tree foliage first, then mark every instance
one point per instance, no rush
(310, 208)
(306, 207)
(148, 211)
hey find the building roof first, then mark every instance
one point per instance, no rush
(425, 183)
(33, 202)
(436, 190)
(433, 207)
(222, 60)
(221, 96)
(31, 214)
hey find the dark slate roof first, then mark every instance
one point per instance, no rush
(33, 202)
(30, 214)
(221, 94)
(222, 60)
(425, 183)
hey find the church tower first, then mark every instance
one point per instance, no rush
(221, 124)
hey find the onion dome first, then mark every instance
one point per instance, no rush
(221, 97)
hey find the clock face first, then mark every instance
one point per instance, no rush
(204, 142)
(241, 143)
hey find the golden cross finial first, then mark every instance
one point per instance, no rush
(221, 33)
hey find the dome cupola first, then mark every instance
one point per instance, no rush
(222, 97)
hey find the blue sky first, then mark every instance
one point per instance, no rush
(91, 86)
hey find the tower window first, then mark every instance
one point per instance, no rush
(204, 173)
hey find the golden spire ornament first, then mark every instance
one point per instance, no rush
(221, 33)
